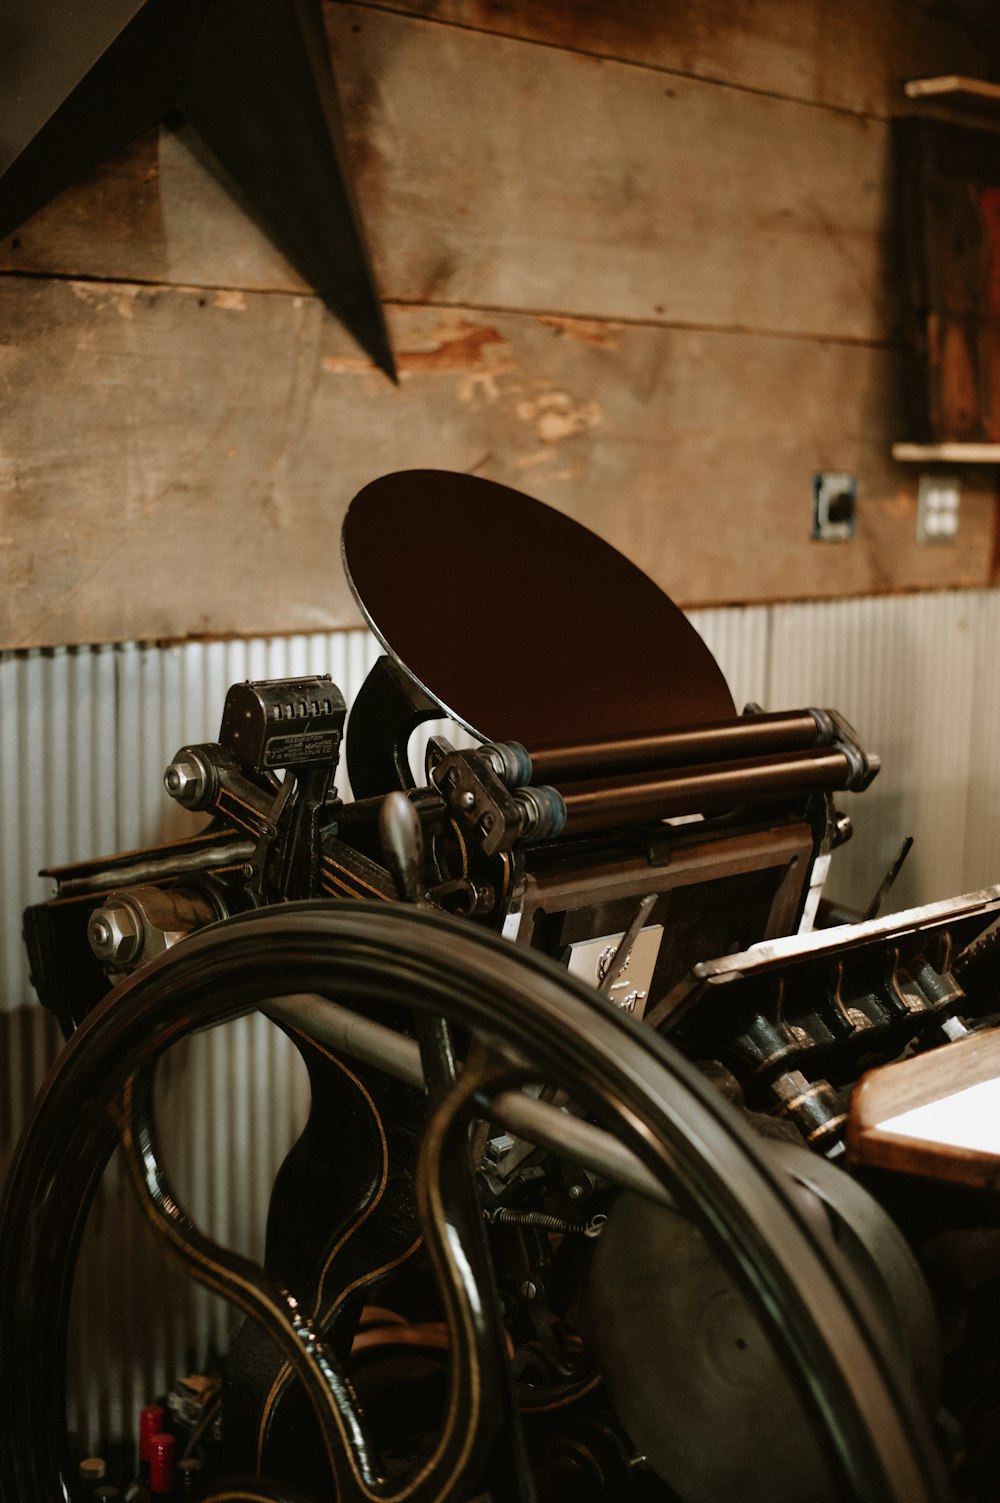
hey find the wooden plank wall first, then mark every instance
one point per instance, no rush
(638, 260)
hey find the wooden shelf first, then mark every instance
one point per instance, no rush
(949, 453)
(953, 88)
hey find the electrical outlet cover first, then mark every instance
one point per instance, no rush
(835, 496)
(938, 497)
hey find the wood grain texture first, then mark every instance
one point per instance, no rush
(852, 56)
(892, 1090)
(495, 173)
(177, 463)
(598, 188)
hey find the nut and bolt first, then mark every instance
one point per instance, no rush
(114, 933)
(843, 829)
(184, 780)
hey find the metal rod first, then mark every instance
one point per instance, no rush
(155, 870)
(603, 802)
(875, 906)
(720, 740)
(619, 959)
(345, 1030)
(546, 1126)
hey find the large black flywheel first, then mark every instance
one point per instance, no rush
(520, 1021)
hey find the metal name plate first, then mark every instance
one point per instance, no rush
(590, 959)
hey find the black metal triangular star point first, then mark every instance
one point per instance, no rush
(253, 77)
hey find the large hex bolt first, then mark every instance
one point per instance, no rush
(115, 933)
(186, 779)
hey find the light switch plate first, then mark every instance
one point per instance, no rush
(835, 496)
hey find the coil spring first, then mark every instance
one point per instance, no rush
(505, 1216)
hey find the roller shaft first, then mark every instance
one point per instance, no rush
(722, 740)
(600, 803)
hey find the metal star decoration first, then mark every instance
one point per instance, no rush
(253, 77)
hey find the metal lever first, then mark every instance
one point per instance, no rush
(874, 907)
(402, 838)
(403, 848)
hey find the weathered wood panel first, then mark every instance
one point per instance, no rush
(495, 173)
(855, 55)
(594, 187)
(178, 462)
